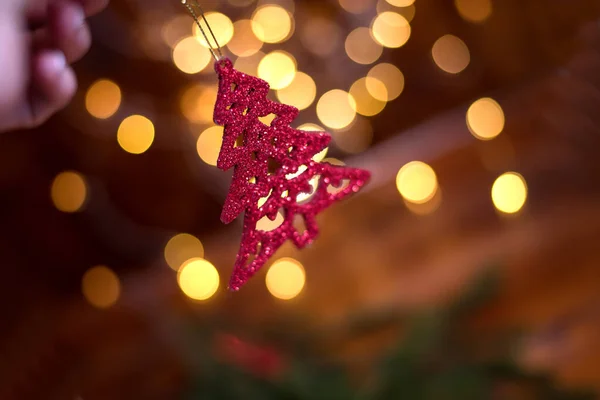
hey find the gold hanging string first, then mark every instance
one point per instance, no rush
(194, 9)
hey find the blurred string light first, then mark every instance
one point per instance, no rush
(101, 287)
(272, 24)
(190, 56)
(103, 99)
(474, 10)
(361, 47)
(391, 29)
(68, 191)
(417, 182)
(485, 119)
(509, 193)
(451, 54)
(401, 3)
(181, 248)
(285, 279)
(336, 109)
(278, 68)
(313, 32)
(392, 79)
(198, 279)
(135, 134)
(315, 128)
(356, 6)
(244, 42)
(300, 93)
(221, 27)
(198, 102)
(365, 103)
(407, 12)
(209, 144)
(355, 138)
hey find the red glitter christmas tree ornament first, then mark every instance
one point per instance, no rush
(274, 170)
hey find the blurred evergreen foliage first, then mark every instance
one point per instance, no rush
(431, 362)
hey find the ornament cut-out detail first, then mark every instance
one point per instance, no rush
(273, 170)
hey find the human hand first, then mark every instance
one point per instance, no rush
(39, 39)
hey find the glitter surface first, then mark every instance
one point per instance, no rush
(272, 165)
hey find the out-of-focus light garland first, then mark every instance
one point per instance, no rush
(336, 109)
(209, 143)
(451, 54)
(69, 191)
(198, 279)
(181, 248)
(417, 182)
(509, 193)
(135, 134)
(101, 287)
(103, 99)
(285, 278)
(485, 118)
(278, 68)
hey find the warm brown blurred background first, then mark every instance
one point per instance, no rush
(479, 120)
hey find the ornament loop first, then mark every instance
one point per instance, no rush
(194, 8)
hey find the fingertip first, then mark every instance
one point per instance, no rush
(54, 85)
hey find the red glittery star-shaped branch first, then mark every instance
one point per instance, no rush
(274, 171)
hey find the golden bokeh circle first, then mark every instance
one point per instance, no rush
(135, 134)
(103, 99)
(285, 279)
(509, 192)
(417, 182)
(69, 191)
(198, 279)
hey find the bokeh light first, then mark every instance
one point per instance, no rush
(101, 287)
(392, 79)
(366, 104)
(190, 56)
(427, 208)
(209, 144)
(278, 68)
(68, 191)
(286, 278)
(175, 29)
(485, 118)
(391, 29)
(474, 10)
(417, 182)
(136, 134)
(244, 42)
(361, 47)
(509, 193)
(221, 26)
(336, 109)
(300, 93)
(198, 279)
(103, 99)
(401, 3)
(356, 6)
(272, 24)
(451, 54)
(181, 248)
(198, 103)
